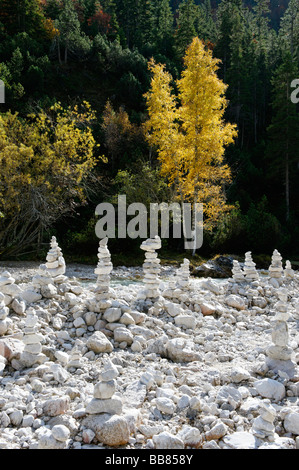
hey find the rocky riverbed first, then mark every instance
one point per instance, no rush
(191, 368)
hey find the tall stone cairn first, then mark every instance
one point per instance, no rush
(250, 271)
(103, 271)
(237, 273)
(151, 267)
(275, 268)
(183, 275)
(278, 354)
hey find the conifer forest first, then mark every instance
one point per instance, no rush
(158, 100)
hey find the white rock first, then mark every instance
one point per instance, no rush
(291, 423)
(99, 343)
(270, 388)
(60, 432)
(166, 440)
(241, 440)
(165, 405)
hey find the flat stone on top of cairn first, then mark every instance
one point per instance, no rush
(151, 267)
(250, 271)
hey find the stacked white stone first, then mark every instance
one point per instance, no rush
(288, 271)
(32, 339)
(279, 353)
(103, 400)
(8, 287)
(263, 427)
(275, 268)
(183, 275)
(4, 311)
(250, 271)
(151, 267)
(237, 273)
(75, 358)
(103, 271)
(54, 268)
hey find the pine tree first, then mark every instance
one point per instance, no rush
(283, 135)
(70, 34)
(23, 16)
(289, 30)
(163, 24)
(187, 19)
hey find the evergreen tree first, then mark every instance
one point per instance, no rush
(23, 16)
(283, 138)
(163, 25)
(187, 20)
(70, 34)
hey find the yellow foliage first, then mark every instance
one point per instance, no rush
(189, 131)
(44, 161)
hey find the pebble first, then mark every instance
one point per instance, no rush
(187, 370)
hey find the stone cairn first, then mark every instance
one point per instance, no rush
(151, 268)
(103, 270)
(4, 311)
(52, 271)
(55, 264)
(32, 353)
(103, 400)
(8, 287)
(279, 353)
(250, 271)
(263, 427)
(288, 271)
(183, 275)
(275, 268)
(237, 273)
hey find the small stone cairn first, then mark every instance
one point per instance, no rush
(55, 264)
(103, 271)
(250, 271)
(237, 273)
(276, 269)
(32, 339)
(183, 275)
(151, 268)
(8, 287)
(279, 353)
(289, 273)
(103, 400)
(4, 311)
(263, 427)
(52, 271)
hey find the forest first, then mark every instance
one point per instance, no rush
(74, 124)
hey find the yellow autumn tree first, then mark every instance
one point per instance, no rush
(45, 161)
(189, 132)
